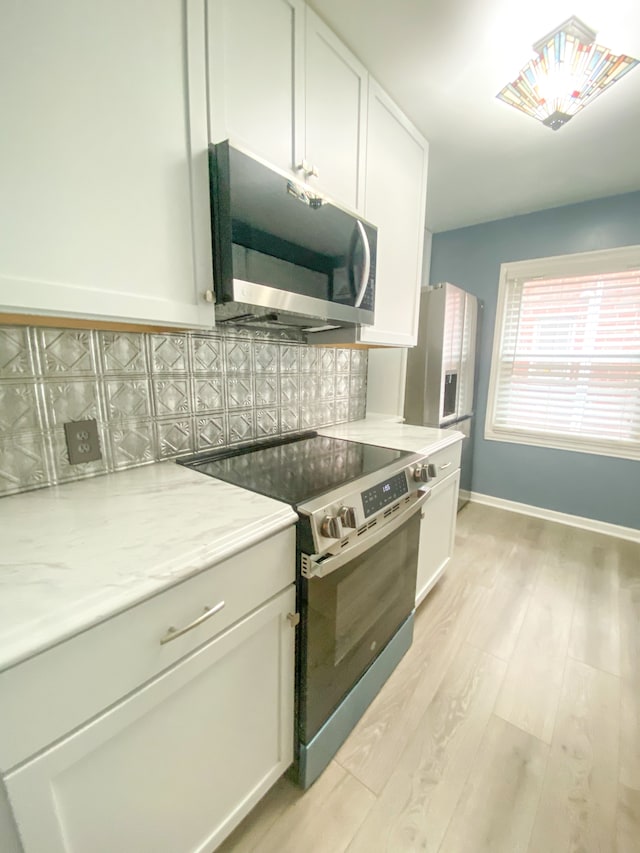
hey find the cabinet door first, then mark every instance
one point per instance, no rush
(437, 533)
(175, 767)
(103, 167)
(255, 76)
(396, 185)
(335, 114)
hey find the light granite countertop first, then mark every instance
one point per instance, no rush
(389, 433)
(76, 554)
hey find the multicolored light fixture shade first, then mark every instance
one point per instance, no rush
(569, 72)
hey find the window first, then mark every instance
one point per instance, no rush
(565, 370)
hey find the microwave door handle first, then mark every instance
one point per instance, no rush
(366, 266)
(352, 250)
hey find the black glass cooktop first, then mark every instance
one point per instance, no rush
(294, 469)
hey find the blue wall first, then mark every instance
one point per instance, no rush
(597, 487)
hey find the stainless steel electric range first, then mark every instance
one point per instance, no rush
(357, 550)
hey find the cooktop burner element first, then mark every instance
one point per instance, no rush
(343, 491)
(296, 469)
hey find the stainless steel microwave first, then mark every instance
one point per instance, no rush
(283, 253)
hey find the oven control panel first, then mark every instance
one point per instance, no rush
(386, 492)
(336, 520)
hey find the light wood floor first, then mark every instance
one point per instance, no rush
(512, 724)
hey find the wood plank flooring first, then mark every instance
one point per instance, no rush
(512, 725)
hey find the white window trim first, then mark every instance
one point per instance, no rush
(558, 266)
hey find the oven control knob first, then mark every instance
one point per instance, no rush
(421, 474)
(330, 527)
(432, 469)
(348, 516)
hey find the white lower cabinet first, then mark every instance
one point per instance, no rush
(437, 533)
(176, 765)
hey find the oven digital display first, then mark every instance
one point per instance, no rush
(377, 497)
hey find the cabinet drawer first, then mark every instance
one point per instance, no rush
(54, 692)
(445, 461)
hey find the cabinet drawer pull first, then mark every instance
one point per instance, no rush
(446, 465)
(172, 632)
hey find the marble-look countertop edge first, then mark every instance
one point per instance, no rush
(390, 433)
(46, 603)
(101, 612)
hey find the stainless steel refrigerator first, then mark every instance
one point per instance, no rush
(441, 369)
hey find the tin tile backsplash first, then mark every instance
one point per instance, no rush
(157, 396)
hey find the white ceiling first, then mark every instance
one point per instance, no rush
(443, 61)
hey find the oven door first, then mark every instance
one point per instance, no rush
(348, 617)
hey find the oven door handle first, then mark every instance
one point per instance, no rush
(318, 566)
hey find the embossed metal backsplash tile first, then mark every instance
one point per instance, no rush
(24, 462)
(122, 353)
(168, 353)
(206, 354)
(132, 443)
(211, 431)
(267, 422)
(18, 407)
(171, 396)
(126, 398)
(158, 396)
(174, 437)
(71, 401)
(66, 351)
(15, 352)
(265, 357)
(209, 394)
(242, 425)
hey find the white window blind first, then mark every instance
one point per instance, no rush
(566, 367)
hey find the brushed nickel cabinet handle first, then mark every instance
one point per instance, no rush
(173, 633)
(309, 170)
(446, 465)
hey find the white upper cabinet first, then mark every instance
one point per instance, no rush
(395, 199)
(335, 115)
(255, 73)
(396, 186)
(104, 210)
(284, 86)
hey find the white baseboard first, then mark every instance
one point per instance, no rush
(630, 533)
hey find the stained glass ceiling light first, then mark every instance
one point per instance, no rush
(569, 72)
